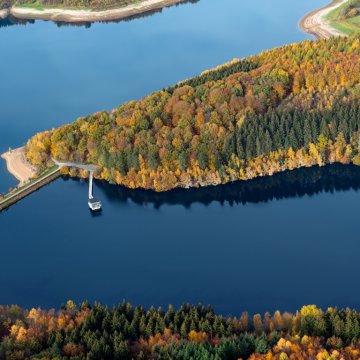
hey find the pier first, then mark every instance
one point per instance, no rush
(48, 176)
(93, 203)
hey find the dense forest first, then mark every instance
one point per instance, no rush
(290, 107)
(191, 332)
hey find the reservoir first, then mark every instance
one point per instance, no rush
(275, 243)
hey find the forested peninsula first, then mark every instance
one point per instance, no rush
(290, 107)
(191, 332)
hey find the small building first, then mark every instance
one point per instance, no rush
(94, 204)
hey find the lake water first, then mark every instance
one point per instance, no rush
(272, 243)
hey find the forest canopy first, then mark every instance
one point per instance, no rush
(125, 332)
(286, 108)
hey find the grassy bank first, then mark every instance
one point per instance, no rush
(18, 193)
(69, 5)
(79, 11)
(346, 18)
(96, 5)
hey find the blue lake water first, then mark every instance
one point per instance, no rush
(274, 243)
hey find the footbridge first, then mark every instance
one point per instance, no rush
(94, 204)
(87, 167)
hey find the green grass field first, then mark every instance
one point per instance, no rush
(35, 5)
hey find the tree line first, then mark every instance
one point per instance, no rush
(190, 332)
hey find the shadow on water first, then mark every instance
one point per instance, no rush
(290, 184)
(11, 20)
(95, 214)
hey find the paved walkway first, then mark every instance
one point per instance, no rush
(26, 190)
(88, 167)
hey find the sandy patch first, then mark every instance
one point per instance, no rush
(18, 166)
(4, 13)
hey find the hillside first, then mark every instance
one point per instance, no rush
(285, 108)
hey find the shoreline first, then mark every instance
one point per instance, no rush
(4, 13)
(74, 16)
(18, 166)
(314, 23)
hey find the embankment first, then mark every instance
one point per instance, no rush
(18, 166)
(26, 190)
(88, 15)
